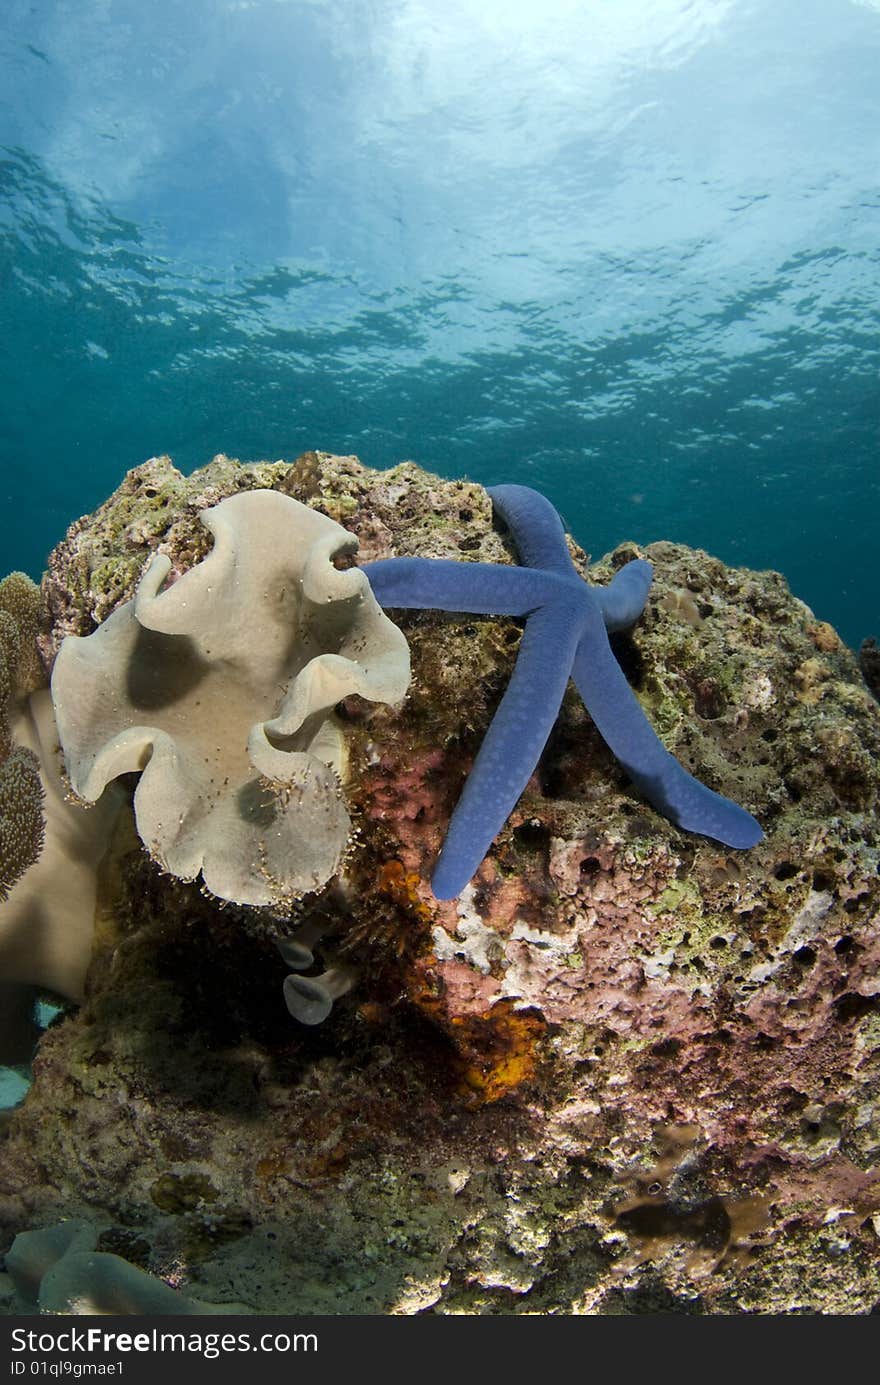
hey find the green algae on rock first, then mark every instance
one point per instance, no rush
(629, 1071)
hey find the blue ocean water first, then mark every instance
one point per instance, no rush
(626, 253)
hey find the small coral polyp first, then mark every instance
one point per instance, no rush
(219, 689)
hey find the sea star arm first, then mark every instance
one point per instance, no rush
(539, 536)
(629, 735)
(623, 600)
(512, 745)
(535, 528)
(445, 584)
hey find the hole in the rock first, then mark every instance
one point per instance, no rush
(823, 880)
(806, 956)
(785, 870)
(852, 1006)
(533, 836)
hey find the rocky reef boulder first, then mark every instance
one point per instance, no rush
(627, 1071)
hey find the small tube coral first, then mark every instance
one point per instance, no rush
(297, 948)
(310, 998)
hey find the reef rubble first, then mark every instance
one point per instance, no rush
(628, 1070)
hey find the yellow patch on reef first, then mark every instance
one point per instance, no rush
(402, 887)
(824, 637)
(511, 1053)
(497, 1049)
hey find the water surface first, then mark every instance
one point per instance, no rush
(625, 253)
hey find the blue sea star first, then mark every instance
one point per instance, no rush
(565, 635)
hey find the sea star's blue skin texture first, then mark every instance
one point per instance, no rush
(565, 636)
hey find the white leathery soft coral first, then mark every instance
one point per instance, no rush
(220, 688)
